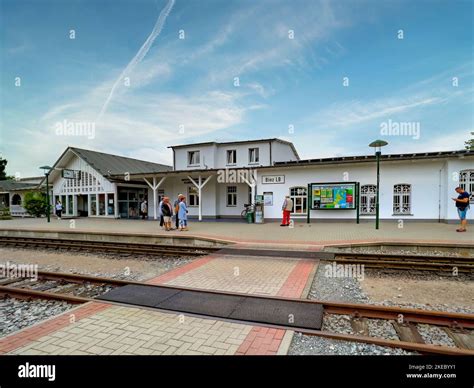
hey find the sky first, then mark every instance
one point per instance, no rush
(134, 77)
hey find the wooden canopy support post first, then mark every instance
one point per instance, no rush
(155, 186)
(199, 185)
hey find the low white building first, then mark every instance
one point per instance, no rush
(12, 194)
(218, 179)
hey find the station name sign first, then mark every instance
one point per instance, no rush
(68, 174)
(269, 179)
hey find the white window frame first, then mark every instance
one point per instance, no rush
(232, 162)
(255, 152)
(231, 193)
(193, 192)
(192, 159)
(466, 181)
(402, 199)
(368, 199)
(299, 200)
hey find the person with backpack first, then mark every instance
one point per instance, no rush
(183, 214)
(176, 209)
(462, 205)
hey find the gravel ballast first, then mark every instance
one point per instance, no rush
(16, 314)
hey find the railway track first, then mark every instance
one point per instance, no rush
(409, 262)
(105, 246)
(459, 327)
(440, 263)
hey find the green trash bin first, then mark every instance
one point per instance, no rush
(250, 217)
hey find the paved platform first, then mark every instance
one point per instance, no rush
(104, 328)
(268, 234)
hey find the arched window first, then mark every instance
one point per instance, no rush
(367, 199)
(16, 199)
(299, 195)
(466, 181)
(402, 199)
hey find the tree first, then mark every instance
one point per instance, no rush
(35, 203)
(3, 165)
(470, 143)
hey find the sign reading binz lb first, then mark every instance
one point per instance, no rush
(70, 174)
(268, 179)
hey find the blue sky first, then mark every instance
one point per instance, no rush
(184, 90)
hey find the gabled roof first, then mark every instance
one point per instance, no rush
(16, 185)
(107, 164)
(239, 142)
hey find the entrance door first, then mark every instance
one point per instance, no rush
(82, 206)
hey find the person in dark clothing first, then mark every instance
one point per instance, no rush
(167, 212)
(462, 205)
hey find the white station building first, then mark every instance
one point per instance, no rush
(218, 179)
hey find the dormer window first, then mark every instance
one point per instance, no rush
(194, 158)
(231, 157)
(253, 155)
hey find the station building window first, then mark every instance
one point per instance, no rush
(299, 195)
(16, 199)
(466, 181)
(194, 158)
(254, 156)
(402, 199)
(129, 200)
(231, 157)
(93, 205)
(110, 204)
(193, 196)
(368, 195)
(231, 196)
(70, 205)
(101, 204)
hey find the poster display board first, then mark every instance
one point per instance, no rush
(333, 196)
(325, 196)
(268, 198)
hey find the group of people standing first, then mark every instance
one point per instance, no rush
(178, 210)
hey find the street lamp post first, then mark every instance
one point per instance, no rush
(377, 144)
(47, 170)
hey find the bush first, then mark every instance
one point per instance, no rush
(35, 203)
(5, 214)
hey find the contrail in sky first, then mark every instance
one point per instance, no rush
(140, 54)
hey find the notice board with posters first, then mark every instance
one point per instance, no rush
(333, 196)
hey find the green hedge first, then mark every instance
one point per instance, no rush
(35, 203)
